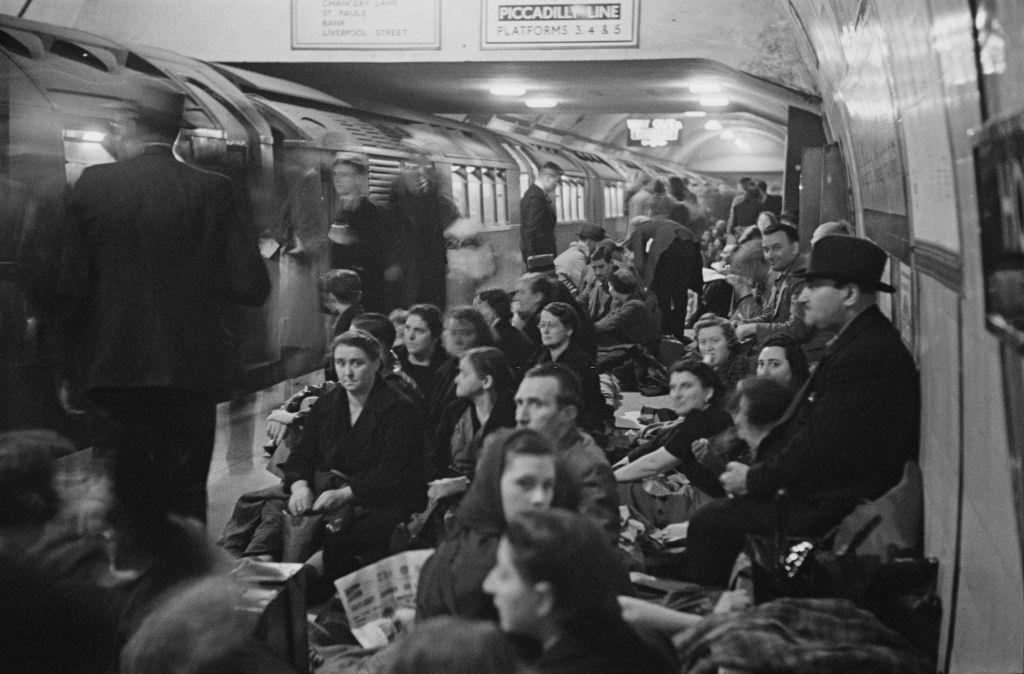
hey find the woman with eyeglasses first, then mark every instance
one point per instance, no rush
(560, 328)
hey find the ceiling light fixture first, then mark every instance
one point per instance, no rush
(741, 144)
(714, 101)
(508, 90)
(727, 135)
(94, 136)
(695, 113)
(712, 125)
(705, 87)
(540, 102)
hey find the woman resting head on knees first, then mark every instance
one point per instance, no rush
(719, 347)
(555, 582)
(782, 359)
(517, 471)
(484, 389)
(446, 644)
(696, 394)
(755, 406)
(420, 353)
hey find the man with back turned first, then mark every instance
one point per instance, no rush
(156, 250)
(847, 434)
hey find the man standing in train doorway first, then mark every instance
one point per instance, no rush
(537, 215)
(155, 252)
(847, 435)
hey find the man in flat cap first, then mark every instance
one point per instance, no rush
(849, 431)
(156, 251)
(572, 262)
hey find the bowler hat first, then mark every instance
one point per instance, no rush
(590, 231)
(845, 258)
(542, 262)
(342, 283)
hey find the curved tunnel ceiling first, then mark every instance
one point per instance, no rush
(594, 97)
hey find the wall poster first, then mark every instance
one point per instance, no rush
(522, 24)
(366, 24)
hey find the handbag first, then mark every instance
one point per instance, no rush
(804, 566)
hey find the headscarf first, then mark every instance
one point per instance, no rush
(481, 508)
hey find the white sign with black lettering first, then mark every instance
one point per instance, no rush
(366, 24)
(520, 24)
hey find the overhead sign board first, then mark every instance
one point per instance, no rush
(521, 24)
(366, 24)
(652, 132)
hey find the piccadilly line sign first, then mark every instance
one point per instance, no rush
(520, 24)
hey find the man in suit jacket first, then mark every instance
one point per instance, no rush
(156, 251)
(769, 202)
(848, 432)
(537, 214)
(744, 213)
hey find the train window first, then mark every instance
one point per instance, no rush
(501, 197)
(487, 193)
(475, 193)
(460, 194)
(13, 45)
(141, 65)
(79, 54)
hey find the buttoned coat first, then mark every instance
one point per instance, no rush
(381, 455)
(537, 223)
(852, 426)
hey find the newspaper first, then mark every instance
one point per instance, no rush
(381, 597)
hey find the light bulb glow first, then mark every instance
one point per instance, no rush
(540, 102)
(508, 90)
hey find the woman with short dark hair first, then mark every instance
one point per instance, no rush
(696, 393)
(420, 352)
(556, 581)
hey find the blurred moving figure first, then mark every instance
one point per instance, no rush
(156, 250)
(357, 235)
(420, 213)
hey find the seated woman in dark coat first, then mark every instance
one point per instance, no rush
(420, 353)
(517, 471)
(556, 582)
(630, 320)
(696, 394)
(484, 403)
(559, 327)
(363, 441)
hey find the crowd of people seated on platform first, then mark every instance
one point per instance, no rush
(797, 386)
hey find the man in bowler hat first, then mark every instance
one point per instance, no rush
(848, 432)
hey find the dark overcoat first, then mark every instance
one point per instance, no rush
(537, 223)
(155, 251)
(853, 425)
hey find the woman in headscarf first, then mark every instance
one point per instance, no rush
(517, 471)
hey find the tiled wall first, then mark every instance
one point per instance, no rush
(899, 81)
